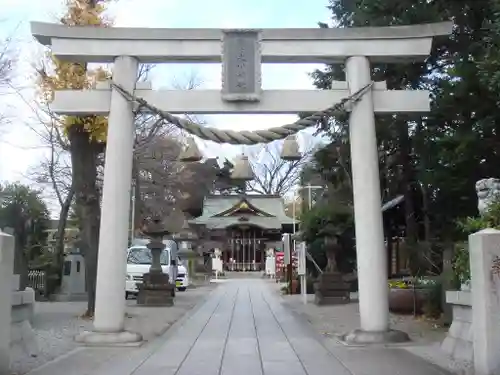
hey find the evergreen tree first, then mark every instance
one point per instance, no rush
(435, 159)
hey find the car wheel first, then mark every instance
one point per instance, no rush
(181, 289)
(127, 295)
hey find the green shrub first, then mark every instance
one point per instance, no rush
(461, 265)
(433, 306)
(470, 225)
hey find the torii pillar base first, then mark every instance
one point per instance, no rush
(359, 337)
(123, 338)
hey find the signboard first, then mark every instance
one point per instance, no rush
(241, 65)
(217, 265)
(271, 265)
(281, 264)
(301, 255)
(287, 247)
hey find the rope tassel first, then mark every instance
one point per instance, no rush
(245, 137)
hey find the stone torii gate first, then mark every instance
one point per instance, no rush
(241, 53)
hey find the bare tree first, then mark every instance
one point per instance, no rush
(8, 60)
(164, 185)
(161, 183)
(274, 175)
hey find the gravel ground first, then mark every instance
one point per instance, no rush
(56, 323)
(334, 320)
(331, 321)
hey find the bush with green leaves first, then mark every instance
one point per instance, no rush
(470, 225)
(330, 220)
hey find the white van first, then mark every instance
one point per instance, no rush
(139, 261)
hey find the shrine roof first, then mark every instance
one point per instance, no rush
(265, 211)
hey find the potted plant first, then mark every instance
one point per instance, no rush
(408, 296)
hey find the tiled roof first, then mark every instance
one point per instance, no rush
(270, 204)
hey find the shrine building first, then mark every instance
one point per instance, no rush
(244, 227)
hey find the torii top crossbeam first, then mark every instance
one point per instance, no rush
(300, 45)
(241, 51)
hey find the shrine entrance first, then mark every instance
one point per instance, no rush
(242, 52)
(244, 251)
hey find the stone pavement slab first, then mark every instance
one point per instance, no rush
(56, 323)
(243, 328)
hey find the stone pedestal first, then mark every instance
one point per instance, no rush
(6, 267)
(73, 279)
(330, 289)
(485, 289)
(459, 340)
(156, 290)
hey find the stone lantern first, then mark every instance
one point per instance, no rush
(155, 290)
(185, 239)
(331, 289)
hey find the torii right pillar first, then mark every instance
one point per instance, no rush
(370, 249)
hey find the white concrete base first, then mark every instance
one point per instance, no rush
(123, 338)
(360, 337)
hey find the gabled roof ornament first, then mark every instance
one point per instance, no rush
(290, 150)
(242, 170)
(190, 153)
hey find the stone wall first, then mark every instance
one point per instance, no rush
(16, 316)
(6, 267)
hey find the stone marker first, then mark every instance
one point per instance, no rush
(485, 285)
(6, 269)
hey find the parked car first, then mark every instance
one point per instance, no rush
(138, 263)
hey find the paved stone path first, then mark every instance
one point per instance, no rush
(242, 329)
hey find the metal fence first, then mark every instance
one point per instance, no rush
(37, 279)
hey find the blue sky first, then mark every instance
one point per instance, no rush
(21, 144)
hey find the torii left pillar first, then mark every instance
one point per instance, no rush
(109, 319)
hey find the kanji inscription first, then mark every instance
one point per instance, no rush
(241, 71)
